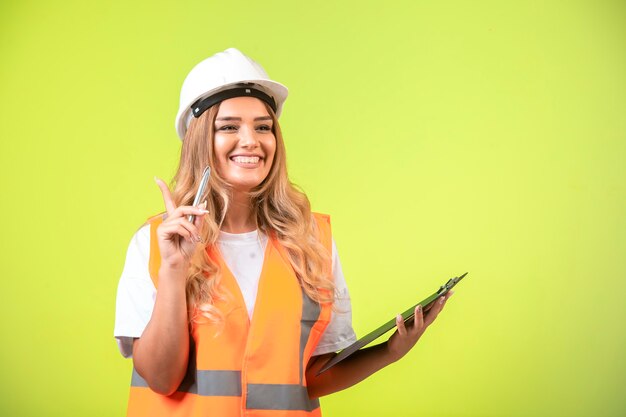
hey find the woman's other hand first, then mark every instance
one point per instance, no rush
(405, 336)
(177, 236)
(366, 361)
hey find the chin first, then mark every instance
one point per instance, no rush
(245, 186)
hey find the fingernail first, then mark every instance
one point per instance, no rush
(419, 309)
(441, 300)
(450, 293)
(399, 318)
(198, 238)
(202, 207)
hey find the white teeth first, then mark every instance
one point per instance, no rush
(246, 159)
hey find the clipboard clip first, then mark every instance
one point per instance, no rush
(451, 283)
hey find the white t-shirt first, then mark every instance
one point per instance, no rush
(243, 254)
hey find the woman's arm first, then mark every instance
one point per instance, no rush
(160, 355)
(365, 362)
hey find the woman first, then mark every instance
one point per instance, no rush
(251, 301)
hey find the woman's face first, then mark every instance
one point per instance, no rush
(244, 144)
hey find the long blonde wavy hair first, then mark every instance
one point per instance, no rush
(280, 210)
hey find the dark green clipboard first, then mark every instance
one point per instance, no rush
(407, 316)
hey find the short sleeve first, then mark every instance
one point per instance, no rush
(136, 293)
(339, 333)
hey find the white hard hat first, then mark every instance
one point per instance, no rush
(221, 76)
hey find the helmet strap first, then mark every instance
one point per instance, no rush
(203, 104)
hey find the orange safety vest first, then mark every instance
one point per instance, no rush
(252, 368)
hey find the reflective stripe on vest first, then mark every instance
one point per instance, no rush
(246, 367)
(208, 383)
(260, 396)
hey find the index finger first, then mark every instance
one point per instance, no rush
(167, 196)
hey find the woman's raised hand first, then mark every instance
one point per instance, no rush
(406, 337)
(177, 236)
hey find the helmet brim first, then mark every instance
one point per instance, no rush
(275, 89)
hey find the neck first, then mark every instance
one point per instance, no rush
(240, 216)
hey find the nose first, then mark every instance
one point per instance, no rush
(248, 138)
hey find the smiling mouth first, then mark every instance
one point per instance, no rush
(246, 159)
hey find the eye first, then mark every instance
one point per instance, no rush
(264, 128)
(227, 128)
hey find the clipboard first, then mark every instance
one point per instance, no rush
(408, 316)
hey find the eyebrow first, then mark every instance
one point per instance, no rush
(230, 118)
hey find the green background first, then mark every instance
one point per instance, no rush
(442, 137)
